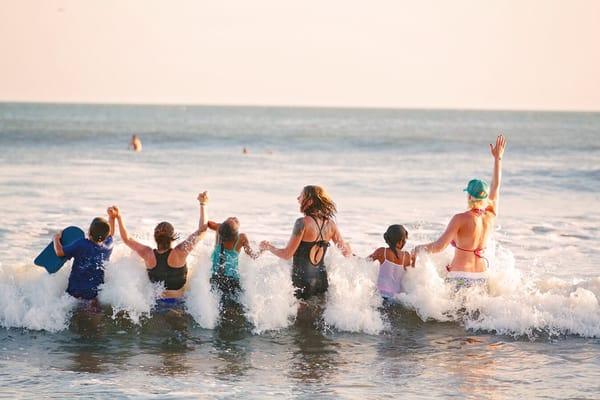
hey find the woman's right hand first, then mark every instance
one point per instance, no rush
(203, 198)
(113, 211)
(498, 149)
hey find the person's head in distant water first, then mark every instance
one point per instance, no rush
(477, 193)
(164, 235)
(99, 230)
(315, 201)
(136, 143)
(395, 236)
(229, 230)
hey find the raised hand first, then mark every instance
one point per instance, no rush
(498, 149)
(113, 211)
(203, 198)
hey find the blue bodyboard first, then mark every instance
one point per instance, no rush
(48, 258)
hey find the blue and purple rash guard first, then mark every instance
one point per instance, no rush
(87, 272)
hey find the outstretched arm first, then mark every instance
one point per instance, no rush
(247, 249)
(443, 241)
(142, 250)
(497, 152)
(184, 248)
(288, 251)
(340, 243)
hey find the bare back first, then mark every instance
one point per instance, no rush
(315, 230)
(471, 239)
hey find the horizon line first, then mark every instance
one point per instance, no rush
(332, 107)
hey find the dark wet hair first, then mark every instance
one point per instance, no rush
(395, 234)
(164, 234)
(317, 202)
(228, 231)
(99, 230)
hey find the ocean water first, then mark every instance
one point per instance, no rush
(534, 333)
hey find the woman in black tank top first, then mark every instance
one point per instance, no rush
(309, 275)
(167, 264)
(173, 278)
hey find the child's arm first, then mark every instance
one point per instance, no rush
(247, 249)
(112, 214)
(58, 248)
(377, 255)
(213, 226)
(184, 248)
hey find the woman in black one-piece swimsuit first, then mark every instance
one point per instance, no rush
(309, 242)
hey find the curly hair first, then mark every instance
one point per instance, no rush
(317, 202)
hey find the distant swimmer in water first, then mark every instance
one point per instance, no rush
(90, 255)
(136, 143)
(229, 241)
(167, 264)
(309, 242)
(468, 232)
(392, 261)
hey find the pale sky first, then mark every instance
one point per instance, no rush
(482, 54)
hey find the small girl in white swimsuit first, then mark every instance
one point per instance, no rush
(393, 261)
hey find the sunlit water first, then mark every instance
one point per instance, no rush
(534, 333)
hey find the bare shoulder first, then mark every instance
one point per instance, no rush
(243, 239)
(299, 226)
(405, 258)
(378, 254)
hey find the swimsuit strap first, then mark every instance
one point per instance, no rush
(384, 255)
(477, 253)
(322, 242)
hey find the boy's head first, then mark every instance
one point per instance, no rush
(99, 230)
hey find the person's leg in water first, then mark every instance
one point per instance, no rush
(229, 289)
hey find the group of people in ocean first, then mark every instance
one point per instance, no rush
(468, 232)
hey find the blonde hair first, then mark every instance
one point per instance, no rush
(317, 202)
(477, 203)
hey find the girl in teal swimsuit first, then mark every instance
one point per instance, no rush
(229, 241)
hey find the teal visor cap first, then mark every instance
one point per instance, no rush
(478, 189)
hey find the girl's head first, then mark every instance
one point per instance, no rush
(99, 230)
(229, 229)
(315, 201)
(395, 237)
(164, 234)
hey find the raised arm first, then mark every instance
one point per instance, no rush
(184, 248)
(142, 250)
(497, 152)
(112, 214)
(288, 251)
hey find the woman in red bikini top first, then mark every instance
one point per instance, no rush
(469, 231)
